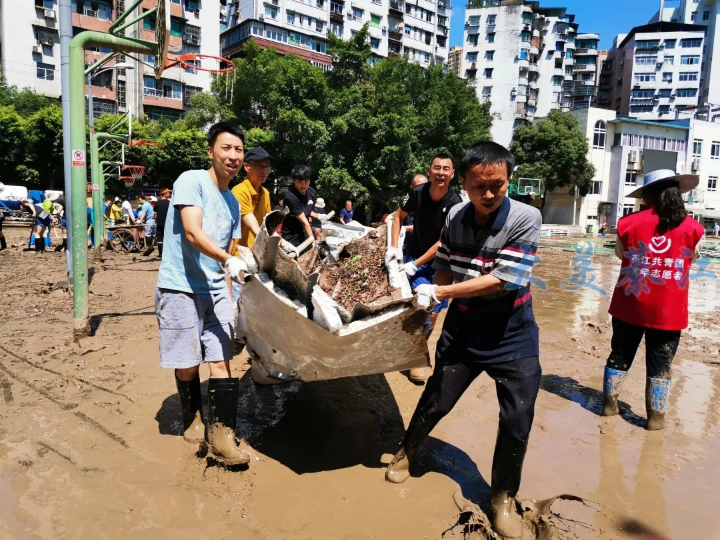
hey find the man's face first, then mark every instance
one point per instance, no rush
(348, 206)
(227, 154)
(302, 185)
(486, 186)
(441, 171)
(141, 200)
(258, 170)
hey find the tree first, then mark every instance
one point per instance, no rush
(12, 135)
(45, 145)
(554, 150)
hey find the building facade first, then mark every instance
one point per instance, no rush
(419, 30)
(520, 56)
(30, 53)
(455, 60)
(655, 72)
(581, 89)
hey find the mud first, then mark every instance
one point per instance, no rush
(319, 449)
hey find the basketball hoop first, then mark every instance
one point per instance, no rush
(184, 62)
(136, 173)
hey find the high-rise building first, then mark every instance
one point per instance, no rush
(30, 53)
(582, 88)
(455, 60)
(419, 29)
(654, 72)
(520, 55)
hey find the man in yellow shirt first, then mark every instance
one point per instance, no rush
(254, 199)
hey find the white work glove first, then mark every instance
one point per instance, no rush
(322, 218)
(391, 254)
(410, 268)
(288, 248)
(234, 267)
(425, 297)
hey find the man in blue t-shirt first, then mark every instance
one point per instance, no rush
(193, 299)
(347, 213)
(147, 216)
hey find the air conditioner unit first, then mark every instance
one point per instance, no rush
(37, 49)
(384, 28)
(197, 13)
(262, 17)
(696, 164)
(633, 156)
(50, 13)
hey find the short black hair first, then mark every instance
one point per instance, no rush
(442, 155)
(143, 197)
(301, 172)
(224, 127)
(487, 153)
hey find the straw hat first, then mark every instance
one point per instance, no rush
(686, 182)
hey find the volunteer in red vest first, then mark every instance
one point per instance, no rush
(657, 246)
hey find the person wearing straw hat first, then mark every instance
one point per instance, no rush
(315, 223)
(657, 246)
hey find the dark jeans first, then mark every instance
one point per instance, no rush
(3, 243)
(517, 384)
(160, 232)
(660, 348)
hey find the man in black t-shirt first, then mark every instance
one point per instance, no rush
(161, 210)
(430, 204)
(300, 204)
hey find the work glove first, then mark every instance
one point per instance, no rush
(410, 268)
(234, 267)
(425, 297)
(288, 248)
(392, 254)
(322, 218)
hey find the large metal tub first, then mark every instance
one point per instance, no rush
(286, 346)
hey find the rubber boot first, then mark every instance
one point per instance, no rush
(399, 469)
(506, 473)
(48, 242)
(657, 392)
(191, 404)
(612, 384)
(223, 400)
(3, 242)
(39, 245)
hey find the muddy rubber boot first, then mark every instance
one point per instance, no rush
(657, 392)
(39, 245)
(222, 417)
(399, 469)
(191, 404)
(506, 474)
(3, 242)
(612, 384)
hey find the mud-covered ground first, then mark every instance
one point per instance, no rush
(89, 444)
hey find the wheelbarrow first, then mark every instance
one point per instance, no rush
(286, 344)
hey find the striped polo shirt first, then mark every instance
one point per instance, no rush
(499, 327)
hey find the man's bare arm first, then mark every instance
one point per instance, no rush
(306, 225)
(398, 217)
(428, 256)
(192, 217)
(479, 286)
(250, 221)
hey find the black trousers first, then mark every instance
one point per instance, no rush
(517, 384)
(160, 233)
(3, 242)
(660, 348)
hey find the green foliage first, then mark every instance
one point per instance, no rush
(555, 151)
(12, 135)
(45, 145)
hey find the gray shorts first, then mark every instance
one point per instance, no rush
(150, 227)
(194, 328)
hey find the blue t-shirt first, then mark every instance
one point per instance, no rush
(347, 215)
(147, 209)
(183, 267)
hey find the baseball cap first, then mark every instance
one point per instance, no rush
(165, 191)
(256, 154)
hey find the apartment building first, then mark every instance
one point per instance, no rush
(419, 29)
(654, 72)
(581, 89)
(623, 150)
(30, 53)
(455, 60)
(520, 55)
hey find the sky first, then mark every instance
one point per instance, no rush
(605, 17)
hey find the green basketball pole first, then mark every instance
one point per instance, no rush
(98, 185)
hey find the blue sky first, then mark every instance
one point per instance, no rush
(606, 17)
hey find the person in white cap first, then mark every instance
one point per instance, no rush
(657, 246)
(315, 223)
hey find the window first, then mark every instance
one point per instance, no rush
(693, 16)
(641, 108)
(691, 43)
(664, 109)
(712, 183)
(715, 150)
(569, 53)
(357, 14)
(686, 92)
(290, 17)
(488, 73)
(557, 80)
(375, 20)
(667, 76)
(670, 60)
(688, 76)
(489, 55)
(669, 44)
(472, 39)
(645, 60)
(45, 4)
(697, 147)
(597, 187)
(706, 15)
(490, 36)
(271, 12)
(525, 36)
(664, 93)
(486, 92)
(642, 94)
(491, 20)
(599, 135)
(474, 21)
(524, 54)
(630, 178)
(276, 35)
(628, 209)
(472, 56)
(45, 71)
(690, 59)
(374, 43)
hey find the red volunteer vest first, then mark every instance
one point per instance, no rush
(652, 290)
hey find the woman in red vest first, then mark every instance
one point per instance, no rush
(657, 246)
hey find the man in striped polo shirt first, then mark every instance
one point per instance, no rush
(484, 265)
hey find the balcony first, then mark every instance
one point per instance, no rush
(395, 35)
(442, 30)
(584, 68)
(398, 6)
(694, 197)
(523, 81)
(523, 63)
(533, 67)
(483, 3)
(561, 37)
(159, 98)
(532, 102)
(590, 52)
(394, 54)
(191, 35)
(336, 12)
(444, 4)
